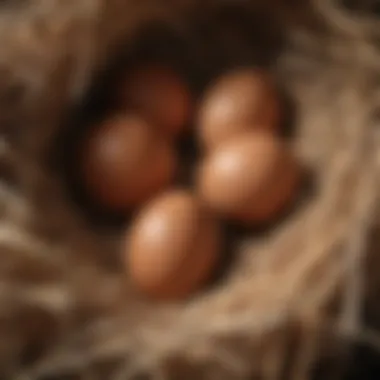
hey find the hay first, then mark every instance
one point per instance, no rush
(291, 300)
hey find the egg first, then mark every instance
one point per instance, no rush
(172, 246)
(125, 162)
(251, 179)
(240, 101)
(160, 95)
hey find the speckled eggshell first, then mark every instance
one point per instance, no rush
(125, 162)
(237, 102)
(172, 247)
(250, 179)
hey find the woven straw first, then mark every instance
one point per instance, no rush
(292, 299)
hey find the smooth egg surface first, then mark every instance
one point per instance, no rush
(172, 247)
(250, 179)
(125, 162)
(237, 102)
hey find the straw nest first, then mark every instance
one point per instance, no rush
(292, 301)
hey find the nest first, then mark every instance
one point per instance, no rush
(293, 301)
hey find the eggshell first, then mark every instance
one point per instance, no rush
(238, 102)
(160, 95)
(172, 247)
(250, 179)
(125, 162)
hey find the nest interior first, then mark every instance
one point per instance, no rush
(292, 297)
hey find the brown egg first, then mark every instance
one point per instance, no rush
(250, 179)
(160, 96)
(125, 162)
(237, 102)
(173, 246)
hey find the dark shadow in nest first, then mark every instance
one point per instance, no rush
(362, 363)
(362, 356)
(362, 7)
(289, 115)
(7, 175)
(232, 36)
(206, 47)
(73, 376)
(365, 358)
